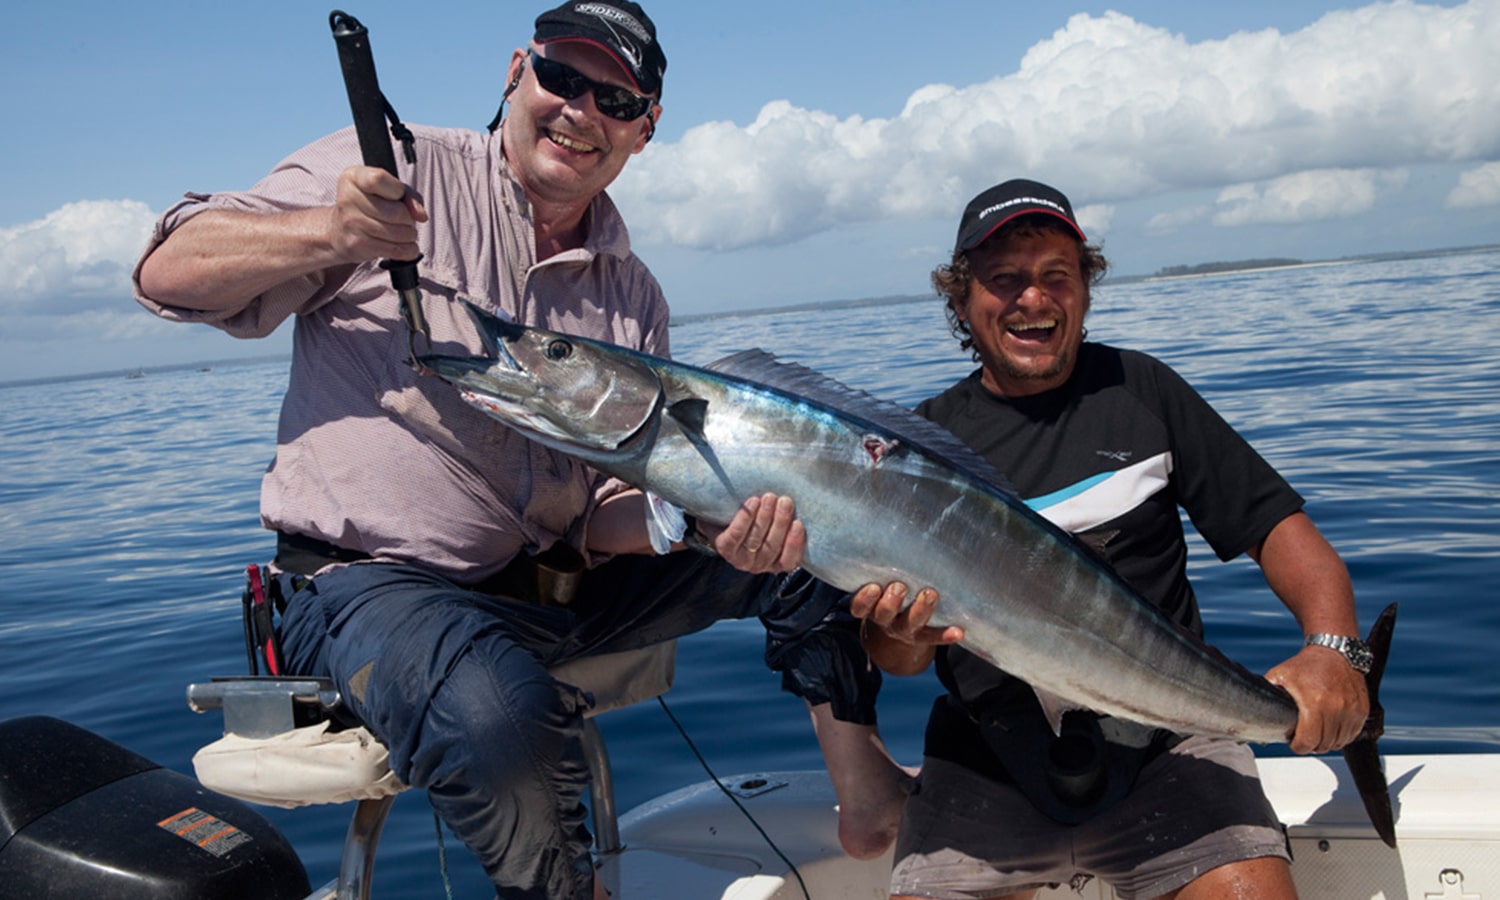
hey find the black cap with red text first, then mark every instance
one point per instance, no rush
(619, 26)
(1004, 202)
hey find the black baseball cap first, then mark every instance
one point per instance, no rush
(619, 26)
(1003, 202)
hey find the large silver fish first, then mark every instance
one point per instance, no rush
(885, 496)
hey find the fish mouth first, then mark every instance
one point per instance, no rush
(566, 392)
(503, 389)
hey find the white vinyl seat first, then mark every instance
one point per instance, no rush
(277, 749)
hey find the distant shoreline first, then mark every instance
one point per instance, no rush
(1170, 273)
(1205, 270)
(146, 371)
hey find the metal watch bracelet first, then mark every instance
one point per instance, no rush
(1354, 650)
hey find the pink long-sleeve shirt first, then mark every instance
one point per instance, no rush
(372, 457)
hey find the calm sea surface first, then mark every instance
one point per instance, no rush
(128, 513)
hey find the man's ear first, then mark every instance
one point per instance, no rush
(517, 69)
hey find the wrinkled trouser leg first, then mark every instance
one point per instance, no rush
(454, 683)
(811, 639)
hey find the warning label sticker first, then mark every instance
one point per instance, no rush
(212, 834)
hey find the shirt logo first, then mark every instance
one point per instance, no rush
(1116, 455)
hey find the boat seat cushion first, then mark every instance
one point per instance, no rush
(313, 764)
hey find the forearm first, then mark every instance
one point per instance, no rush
(1306, 573)
(619, 525)
(222, 259)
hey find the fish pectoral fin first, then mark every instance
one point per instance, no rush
(691, 415)
(1054, 707)
(665, 524)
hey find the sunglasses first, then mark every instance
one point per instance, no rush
(567, 82)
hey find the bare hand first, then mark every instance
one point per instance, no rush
(900, 638)
(885, 608)
(375, 216)
(1332, 701)
(763, 536)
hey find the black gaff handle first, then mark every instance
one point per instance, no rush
(365, 100)
(368, 106)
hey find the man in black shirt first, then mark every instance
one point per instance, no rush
(1109, 444)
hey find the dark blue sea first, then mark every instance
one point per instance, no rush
(128, 514)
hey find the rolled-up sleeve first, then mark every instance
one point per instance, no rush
(306, 179)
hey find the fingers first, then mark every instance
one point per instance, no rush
(375, 216)
(764, 536)
(1332, 702)
(886, 608)
(863, 601)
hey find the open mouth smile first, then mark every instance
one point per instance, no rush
(1038, 332)
(571, 144)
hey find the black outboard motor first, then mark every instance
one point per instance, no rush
(81, 816)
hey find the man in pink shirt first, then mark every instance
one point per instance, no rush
(408, 524)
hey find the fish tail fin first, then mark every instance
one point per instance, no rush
(1363, 755)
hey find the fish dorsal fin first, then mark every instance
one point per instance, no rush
(898, 421)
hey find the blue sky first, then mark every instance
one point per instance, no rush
(808, 151)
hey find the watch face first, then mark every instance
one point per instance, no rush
(1355, 651)
(1360, 656)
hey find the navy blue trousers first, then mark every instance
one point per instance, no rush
(455, 684)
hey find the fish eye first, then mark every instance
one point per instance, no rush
(558, 349)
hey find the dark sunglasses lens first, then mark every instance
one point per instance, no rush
(568, 83)
(618, 103)
(556, 78)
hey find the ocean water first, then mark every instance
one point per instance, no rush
(128, 514)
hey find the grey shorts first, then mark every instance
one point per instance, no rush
(1194, 808)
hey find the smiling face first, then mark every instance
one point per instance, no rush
(565, 151)
(1025, 310)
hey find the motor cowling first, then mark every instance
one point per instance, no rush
(82, 816)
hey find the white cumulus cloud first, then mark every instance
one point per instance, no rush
(76, 258)
(1095, 219)
(1110, 109)
(1173, 220)
(1305, 197)
(1477, 187)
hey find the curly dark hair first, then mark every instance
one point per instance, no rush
(953, 279)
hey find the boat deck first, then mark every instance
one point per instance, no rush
(694, 843)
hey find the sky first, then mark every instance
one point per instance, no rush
(808, 152)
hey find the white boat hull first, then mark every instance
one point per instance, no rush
(694, 842)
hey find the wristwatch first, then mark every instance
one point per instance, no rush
(1356, 651)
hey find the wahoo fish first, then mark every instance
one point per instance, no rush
(885, 496)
